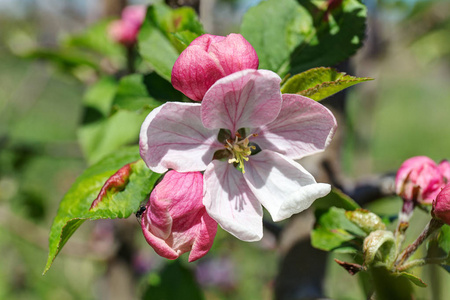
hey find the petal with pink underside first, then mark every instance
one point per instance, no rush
(303, 127)
(205, 237)
(249, 98)
(194, 72)
(229, 201)
(173, 137)
(204, 41)
(234, 54)
(282, 186)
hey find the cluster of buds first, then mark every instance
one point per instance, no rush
(125, 30)
(420, 179)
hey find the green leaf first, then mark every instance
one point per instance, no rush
(275, 28)
(132, 94)
(320, 83)
(65, 59)
(331, 239)
(107, 135)
(161, 285)
(414, 279)
(335, 198)
(137, 91)
(365, 220)
(74, 207)
(96, 38)
(290, 37)
(333, 230)
(98, 99)
(158, 43)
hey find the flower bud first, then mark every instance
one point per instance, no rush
(441, 206)
(379, 246)
(366, 220)
(175, 220)
(209, 58)
(420, 179)
(125, 30)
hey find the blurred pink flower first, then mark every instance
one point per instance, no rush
(209, 58)
(421, 179)
(441, 206)
(125, 30)
(175, 220)
(245, 135)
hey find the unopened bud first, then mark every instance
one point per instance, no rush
(379, 247)
(441, 206)
(366, 220)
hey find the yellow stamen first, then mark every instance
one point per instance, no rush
(240, 150)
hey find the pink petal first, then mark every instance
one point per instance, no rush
(249, 98)
(204, 41)
(175, 220)
(444, 168)
(173, 137)
(134, 14)
(194, 72)
(282, 186)
(229, 201)
(234, 54)
(205, 237)
(303, 127)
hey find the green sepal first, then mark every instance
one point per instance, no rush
(414, 279)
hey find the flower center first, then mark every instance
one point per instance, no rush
(240, 149)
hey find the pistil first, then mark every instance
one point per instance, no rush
(240, 150)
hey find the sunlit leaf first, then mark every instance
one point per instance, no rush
(74, 208)
(158, 43)
(333, 230)
(320, 83)
(291, 36)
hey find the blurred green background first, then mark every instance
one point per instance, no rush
(402, 113)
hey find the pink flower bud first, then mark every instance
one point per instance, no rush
(134, 14)
(419, 179)
(209, 58)
(444, 168)
(125, 30)
(175, 220)
(441, 206)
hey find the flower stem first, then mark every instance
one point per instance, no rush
(432, 226)
(403, 223)
(420, 262)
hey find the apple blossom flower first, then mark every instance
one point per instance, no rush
(420, 179)
(245, 135)
(125, 30)
(441, 205)
(175, 220)
(209, 58)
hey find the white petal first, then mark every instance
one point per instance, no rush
(173, 137)
(303, 127)
(229, 201)
(249, 98)
(281, 185)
